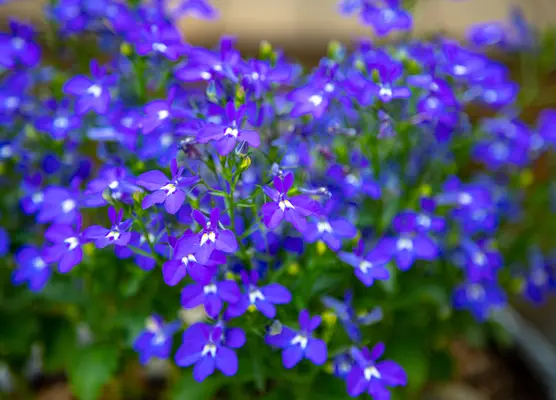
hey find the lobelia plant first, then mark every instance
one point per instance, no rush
(253, 205)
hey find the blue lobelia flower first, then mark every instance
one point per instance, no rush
(211, 295)
(31, 268)
(330, 230)
(212, 237)
(19, 48)
(482, 261)
(158, 113)
(117, 235)
(540, 277)
(480, 298)
(488, 34)
(197, 8)
(345, 312)
(262, 298)
(4, 242)
(372, 377)
(210, 348)
(300, 344)
(59, 205)
(92, 94)
(156, 339)
(342, 364)
(368, 267)
(184, 261)
(409, 244)
(293, 209)
(60, 120)
(228, 131)
(113, 182)
(164, 190)
(387, 17)
(66, 245)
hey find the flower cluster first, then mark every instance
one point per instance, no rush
(263, 193)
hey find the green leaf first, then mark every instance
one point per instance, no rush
(441, 366)
(59, 343)
(188, 388)
(410, 353)
(90, 369)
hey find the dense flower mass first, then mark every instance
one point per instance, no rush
(264, 194)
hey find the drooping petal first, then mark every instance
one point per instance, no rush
(152, 180)
(154, 198)
(235, 338)
(70, 259)
(316, 351)
(272, 215)
(192, 295)
(391, 373)
(226, 241)
(174, 201)
(204, 368)
(276, 293)
(226, 361)
(266, 308)
(291, 356)
(356, 382)
(173, 272)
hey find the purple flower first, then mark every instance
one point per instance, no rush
(370, 267)
(300, 344)
(342, 365)
(488, 34)
(31, 268)
(59, 205)
(167, 191)
(205, 65)
(480, 298)
(352, 183)
(211, 237)
(226, 133)
(372, 377)
(184, 261)
(410, 244)
(389, 72)
(66, 246)
(210, 348)
(156, 339)
(292, 209)
(116, 180)
(18, 48)
(260, 76)
(346, 314)
(481, 260)
(426, 221)
(4, 242)
(60, 120)
(211, 295)
(34, 196)
(330, 231)
(262, 298)
(159, 112)
(197, 8)
(92, 94)
(386, 18)
(117, 235)
(540, 278)
(158, 38)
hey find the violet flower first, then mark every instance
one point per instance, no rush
(164, 190)
(31, 268)
(368, 267)
(479, 298)
(117, 235)
(292, 209)
(262, 298)
(212, 237)
(184, 261)
(59, 205)
(211, 295)
(386, 18)
(228, 132)
(409, 245)
(210, 348)
(300, 344)
(330, 231)
(156, 339)
(482, 262)
(370, 376)
(92, 94)
(19, 48)
(66, 246)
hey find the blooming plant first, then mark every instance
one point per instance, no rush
(271, 224)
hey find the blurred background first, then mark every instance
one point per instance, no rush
(303, 28)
